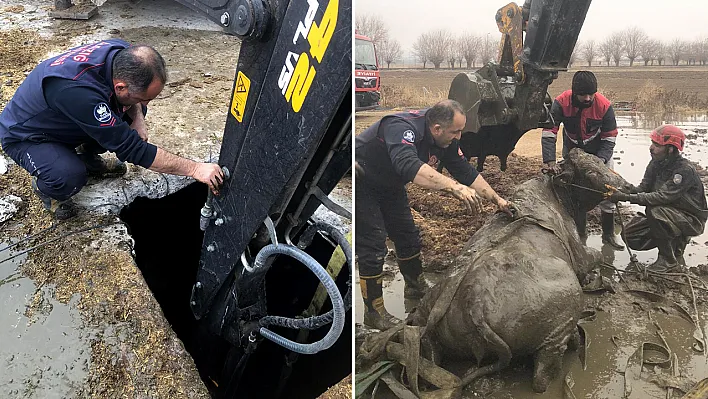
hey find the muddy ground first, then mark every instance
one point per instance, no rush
(624, 319)
(132, 351)
(688, 84)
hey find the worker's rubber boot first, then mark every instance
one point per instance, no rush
(375, 313)
(581, 221)
(98, 167)
(666, 261)
(608, 231)
(60, 210)
(411, 269)
(679, 246)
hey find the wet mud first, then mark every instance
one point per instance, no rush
(623, 321)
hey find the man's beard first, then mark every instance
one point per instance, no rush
(582, 104)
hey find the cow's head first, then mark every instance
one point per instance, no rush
(589, 177)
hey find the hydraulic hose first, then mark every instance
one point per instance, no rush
(337, 303)
(315, 322)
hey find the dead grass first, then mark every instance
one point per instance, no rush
(658, 100)
(400, 96)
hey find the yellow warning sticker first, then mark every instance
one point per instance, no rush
(238, 104)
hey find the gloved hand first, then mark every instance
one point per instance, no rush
(615, 195)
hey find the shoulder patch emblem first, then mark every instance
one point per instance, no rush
(678, 178)
(102, 112)
(409, 136)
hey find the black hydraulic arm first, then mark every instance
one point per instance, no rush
(290, 101)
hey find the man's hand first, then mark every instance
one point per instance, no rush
(209, 174)
(506, 206)
(551, 168)
(141, 128)
(468, 196)
(615, 195)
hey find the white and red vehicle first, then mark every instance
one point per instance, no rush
(366, 74)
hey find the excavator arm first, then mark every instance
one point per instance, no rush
(505, 99)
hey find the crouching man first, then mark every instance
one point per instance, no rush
(674, 198)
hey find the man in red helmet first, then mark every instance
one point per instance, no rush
(588, 123)
(674, 198)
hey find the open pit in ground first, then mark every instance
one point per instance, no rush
(81, 320)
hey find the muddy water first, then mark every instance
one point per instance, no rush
(620, 327)
(45, 355)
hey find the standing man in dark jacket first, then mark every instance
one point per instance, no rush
(588, 123)
(398, 149)
(79, 104)
(674, 198)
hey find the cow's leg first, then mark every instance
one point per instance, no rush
(493, 344)
(547, 365)
(502, 161)
(480, 162)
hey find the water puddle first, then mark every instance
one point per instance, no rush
(621, 326)
(45, 355)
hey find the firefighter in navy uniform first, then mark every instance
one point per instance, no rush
(79, 104)
(674, 198)
(588, 123)
(396, 150)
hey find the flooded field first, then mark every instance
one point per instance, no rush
(623, 320)
(44, 352)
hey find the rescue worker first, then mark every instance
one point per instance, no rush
(588, 123)
(398, 149)
(674, 198)
(79, 104)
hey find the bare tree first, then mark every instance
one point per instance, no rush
(606, 50)
(454, 52)
(633, 38)
(573, 56)
(661, 52)
(437, 43)
(676, 50)
(372, 26)
(617, 45)
(702, 49)
(470, 45)
(390, 51)
(649, 50)
(421, 49)
(488, 49)
(589, 51)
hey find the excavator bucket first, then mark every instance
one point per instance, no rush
(551, 32)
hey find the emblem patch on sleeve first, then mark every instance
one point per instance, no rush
(409, 136)
(102, 113)
(678, 178)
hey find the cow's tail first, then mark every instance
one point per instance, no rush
(493, 344)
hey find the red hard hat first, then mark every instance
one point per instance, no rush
(668, 134)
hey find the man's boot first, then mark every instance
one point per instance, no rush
(608, 231)
(61, 210)
(666, 261)
(375, 313)
(411, 269)
(98, 167)
(679, 245)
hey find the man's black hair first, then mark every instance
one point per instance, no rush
(443, 113)
(138, 66)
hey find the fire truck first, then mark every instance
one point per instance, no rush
(366, 74)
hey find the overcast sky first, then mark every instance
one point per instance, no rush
(667, 19)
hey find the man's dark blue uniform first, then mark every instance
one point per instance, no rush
(391, 152)
(67, 101)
